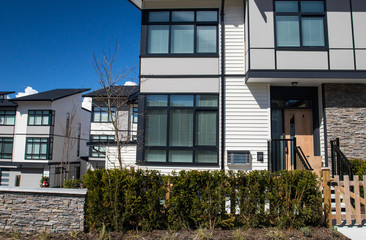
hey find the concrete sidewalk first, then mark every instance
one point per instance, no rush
(353, 232)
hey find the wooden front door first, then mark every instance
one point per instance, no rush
(299, 124)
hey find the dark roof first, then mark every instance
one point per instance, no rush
(7, 103)
(51, 95)
(5, 93)
(117, 91)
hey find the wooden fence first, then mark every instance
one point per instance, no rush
(348, 203)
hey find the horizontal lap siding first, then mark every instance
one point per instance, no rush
(234, 37)
(247, 119)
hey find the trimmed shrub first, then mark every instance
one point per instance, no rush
(360, 167)
(123, 200)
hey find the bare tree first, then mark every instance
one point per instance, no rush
(70, 142)
(113, 98)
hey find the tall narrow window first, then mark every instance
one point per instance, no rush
(78, 144)
(135, 115)
(67, 124)
(300, 24)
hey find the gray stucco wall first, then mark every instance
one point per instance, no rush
(346, 117)
(35, 210)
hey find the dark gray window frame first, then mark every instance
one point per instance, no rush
(145, 30)
(7, 114)
(194, 148)
(4, 155)
(300, 14)
(49, 113)
(37, 156)
(113, 111)
(96, 143)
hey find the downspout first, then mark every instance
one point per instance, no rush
(222, 15)
(325, 127)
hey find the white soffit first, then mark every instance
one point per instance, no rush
(137, 3)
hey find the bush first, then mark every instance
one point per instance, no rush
(72, 183)
(360, 167)
(123, 200)
(120, 200)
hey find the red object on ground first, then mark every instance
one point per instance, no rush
(44, 184)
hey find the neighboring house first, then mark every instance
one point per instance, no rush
(227, 84)
(123, 110)
(43, 134)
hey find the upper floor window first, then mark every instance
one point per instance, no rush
(38, 148)
(7, 117)
(182, 32)
(41, 117)
(135, 115)
(101, 114)
(300, 24)
(6, 147)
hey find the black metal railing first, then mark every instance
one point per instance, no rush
(282, 154)
(340, 164)
(302, 162)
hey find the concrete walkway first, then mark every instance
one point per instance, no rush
(353, 232)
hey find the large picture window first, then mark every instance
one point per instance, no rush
(182, 32)
(38, 148)
(7, 117)
(181, 129)
(300, 24)
(6, 148)
(41, 117)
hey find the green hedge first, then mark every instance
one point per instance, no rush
(360, 167)
(123, 200)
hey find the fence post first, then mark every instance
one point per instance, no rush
(327, 197)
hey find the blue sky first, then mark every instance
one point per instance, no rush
(48, 44)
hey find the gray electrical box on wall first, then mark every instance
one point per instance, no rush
(260, 156)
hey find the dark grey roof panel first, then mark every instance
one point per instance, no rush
(5, 93)
(117, 91)
(7, 103)
(51, 95)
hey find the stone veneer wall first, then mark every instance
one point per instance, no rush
(346, 117)
(35, 210)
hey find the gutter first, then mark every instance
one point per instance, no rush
(222, 15)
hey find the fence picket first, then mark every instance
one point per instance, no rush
(338, 201)
(357, 200)
(347, 200)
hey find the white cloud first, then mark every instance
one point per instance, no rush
(27, 91)
(87, 103)
(130, 83)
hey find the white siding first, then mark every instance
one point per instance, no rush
(234, 37)
(247, 119)
(128, 156)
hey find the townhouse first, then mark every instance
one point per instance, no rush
(250, 84)
(43, 134)
(114, 113)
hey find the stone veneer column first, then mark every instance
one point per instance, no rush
(346, 118)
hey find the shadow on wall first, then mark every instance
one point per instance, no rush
(345, 95)
(260, 93)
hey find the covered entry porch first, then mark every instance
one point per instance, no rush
(295, 138)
